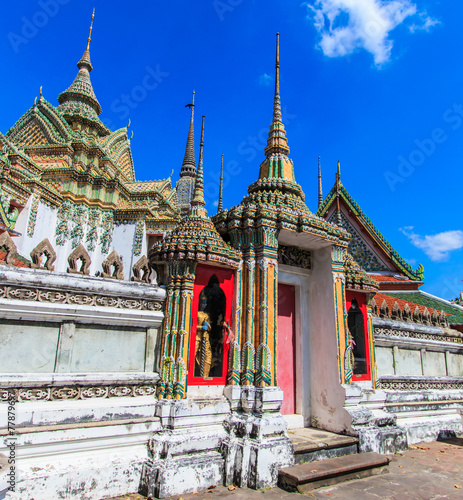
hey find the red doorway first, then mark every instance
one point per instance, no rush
(286, 347)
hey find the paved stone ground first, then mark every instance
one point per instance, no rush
(426, 471)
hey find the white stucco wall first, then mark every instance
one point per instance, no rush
(327, 395)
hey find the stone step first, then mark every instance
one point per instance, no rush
(312, 475)
(316, 444)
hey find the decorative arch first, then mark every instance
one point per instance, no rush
(43, 248)
(113, 260)
(142, 270)
(10, 247)
(79, 254)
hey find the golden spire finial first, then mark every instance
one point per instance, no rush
(320, 190)
(89, 39)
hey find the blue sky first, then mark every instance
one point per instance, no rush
(375, 84)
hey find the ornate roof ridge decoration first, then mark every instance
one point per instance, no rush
(78, 102)
(339, 191)
(276, 172)
(454, 312)
(389, 307)
(54, 127)
(196, 237)
(356, 277)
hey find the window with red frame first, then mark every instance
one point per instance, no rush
(358, 329)
(209, 344)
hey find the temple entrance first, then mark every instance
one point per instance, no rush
(209, 343)
(286, 347)
(358, 330)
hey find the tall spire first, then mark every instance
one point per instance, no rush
(277, 170)
(198, 203)
(85, 59)
(276, 100)
(189, 163)
(220, 204)
(79, 102)
(277, 143)
(320, 190)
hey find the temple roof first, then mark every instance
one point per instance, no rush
(424, 299)
(340, 194)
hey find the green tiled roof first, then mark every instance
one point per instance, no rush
(417, 274)
(431, 302)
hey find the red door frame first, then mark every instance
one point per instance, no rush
(361, 300)
(226, 279)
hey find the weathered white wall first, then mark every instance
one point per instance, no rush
(327, 395)
(123, 239)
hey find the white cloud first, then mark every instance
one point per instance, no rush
(347, 25)
(426, 22)
(265, 80)
(437, 246)
(215, 203)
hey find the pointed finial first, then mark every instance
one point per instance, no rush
(35, 100)
(198, 203)
(131, 136)
(277, 103)
(89, 39)
(220, 204)
(40, 91)
(320, 190)
(128, 124)
(85, 59)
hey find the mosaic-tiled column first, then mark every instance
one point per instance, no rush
(234, 358)
(267, 284)
(344, 347)
(176, 337)
(248, 350)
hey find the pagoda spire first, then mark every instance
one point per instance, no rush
(320, 190)
(277, 143)
(276, 172)
(276, 99)
(79, 100)
(220, 204)
(189, 163)
(197, 203)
